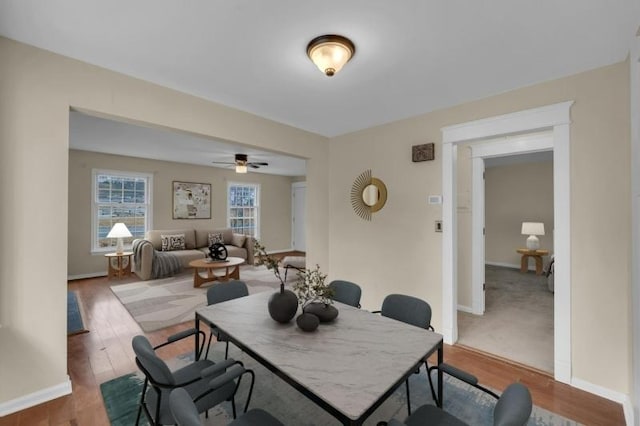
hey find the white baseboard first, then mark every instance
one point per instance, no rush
(609, 394)
(83, 276)
(35, 398)
(464, 308)
(280, 251)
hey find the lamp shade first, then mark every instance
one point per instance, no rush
(241, 168)
(532, 228)
(330, 53)
(119, 230)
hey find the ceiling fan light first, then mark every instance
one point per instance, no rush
(241, 168)
(330, 52)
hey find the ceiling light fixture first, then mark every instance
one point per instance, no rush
(330, 52)
(241, 168)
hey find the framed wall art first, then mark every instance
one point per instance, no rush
(191, 200)
(422, 152)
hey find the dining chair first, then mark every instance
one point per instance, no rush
(346, 292)
(207, 383)
(219, 293)
(186, 413)
(413, 311)
(512, 409)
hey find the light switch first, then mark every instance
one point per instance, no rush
(434, 199)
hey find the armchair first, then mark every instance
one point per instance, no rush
(513, 407)
(206, 382)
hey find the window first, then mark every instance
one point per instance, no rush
(244, 208)
(120, 197)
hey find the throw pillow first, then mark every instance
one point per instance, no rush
(238, 240)
(215, 238)
(173, 242)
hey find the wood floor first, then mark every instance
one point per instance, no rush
(105, 353)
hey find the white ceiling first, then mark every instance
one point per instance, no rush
(413, 56)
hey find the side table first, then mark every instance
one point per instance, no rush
(536, 254)
(118, 264)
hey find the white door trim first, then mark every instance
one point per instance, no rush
(557, 119)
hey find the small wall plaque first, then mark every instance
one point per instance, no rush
(422, 152)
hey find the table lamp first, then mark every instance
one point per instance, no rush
(532, 229)
(119, 231)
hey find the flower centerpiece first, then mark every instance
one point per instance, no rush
(283, 305)
(314, 295)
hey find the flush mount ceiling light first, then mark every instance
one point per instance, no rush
(330, 52)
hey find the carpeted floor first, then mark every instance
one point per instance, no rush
(157, 304)
(518, 319)
(272, 394)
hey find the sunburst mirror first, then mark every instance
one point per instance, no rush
(368, 195)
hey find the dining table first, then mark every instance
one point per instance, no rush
(348, 367)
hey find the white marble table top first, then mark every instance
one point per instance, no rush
(349, 363)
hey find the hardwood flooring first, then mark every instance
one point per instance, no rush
(105, 353)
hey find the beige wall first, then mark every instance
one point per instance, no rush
(275, 202)
(514, 194)
(398, 251)
(37, 90)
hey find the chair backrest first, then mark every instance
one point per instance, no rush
(183, 408)
(407, 309)
(152, 366)
(346, 292)
(513, 407)
(226, 291)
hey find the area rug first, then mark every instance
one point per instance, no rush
(121, 396)
(75, 324)
(157, 304)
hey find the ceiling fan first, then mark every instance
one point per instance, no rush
(242, 162)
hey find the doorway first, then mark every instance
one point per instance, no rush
(298, 200)
(505, 312)
(556, 119)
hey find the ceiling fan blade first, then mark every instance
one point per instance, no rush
(222, 162)
(253, 165)
(258, 164)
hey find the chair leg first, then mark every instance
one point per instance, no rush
(206, 356)
(286, 271)
(226, 351)
(433, 391)
(233, 406)
(144, 388)
(408, 397)
(253, 380)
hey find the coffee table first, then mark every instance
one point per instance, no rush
(211, 265)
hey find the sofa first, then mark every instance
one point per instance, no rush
(196, 246)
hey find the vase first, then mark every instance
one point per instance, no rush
(324, 311)
(283, 305)
(307, 322)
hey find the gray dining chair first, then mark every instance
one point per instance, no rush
(512, 409)
(413, 311)
(346, 292)
(219, 293)
(186, 413)
(207, 383)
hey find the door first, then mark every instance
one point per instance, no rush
(298, 200)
